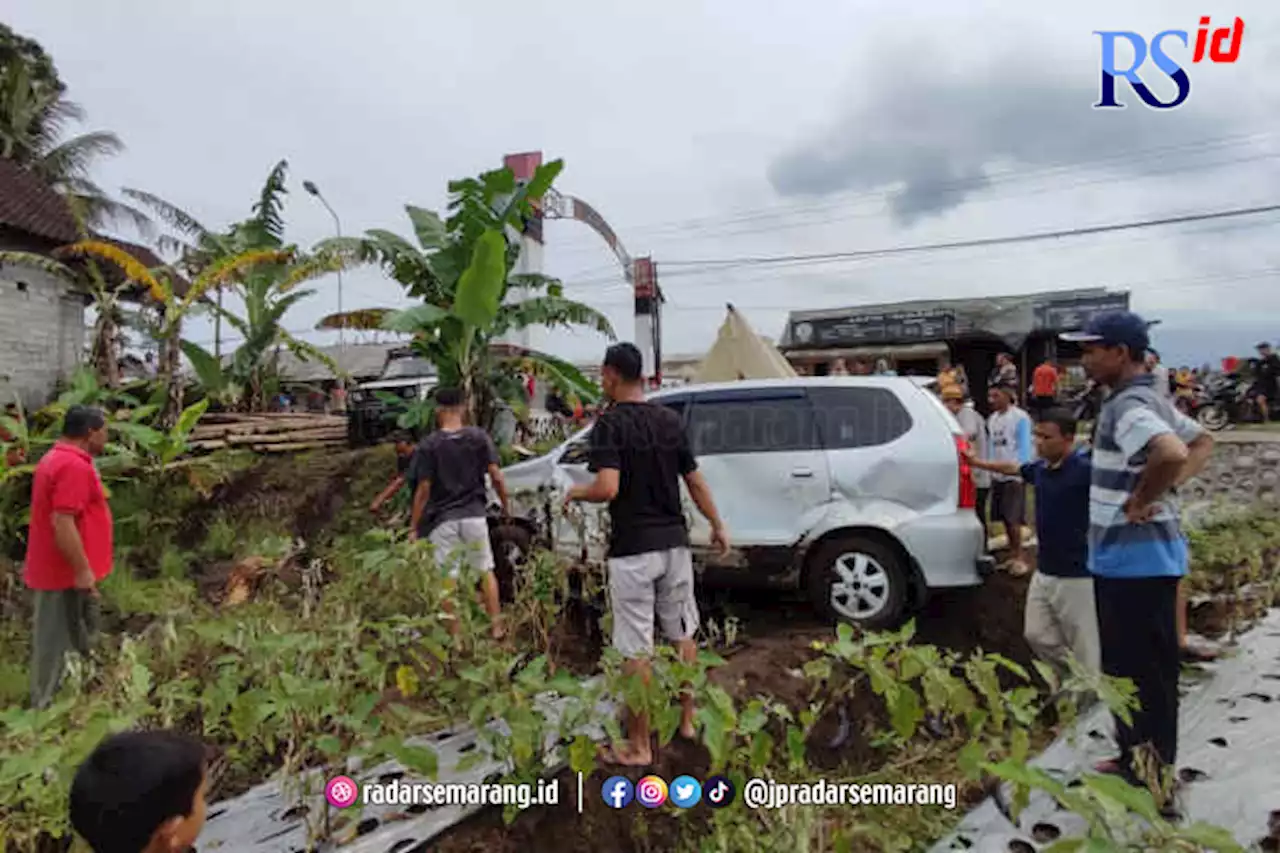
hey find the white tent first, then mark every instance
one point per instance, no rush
(739, 353)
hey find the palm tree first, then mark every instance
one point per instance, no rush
(461, 270)
(33, 122)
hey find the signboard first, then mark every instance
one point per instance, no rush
(890, 327)
(1071, 314)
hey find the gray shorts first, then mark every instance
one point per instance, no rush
(463, 539)
(642, 586)
(1009, 502)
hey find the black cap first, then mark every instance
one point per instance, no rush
(626, 359)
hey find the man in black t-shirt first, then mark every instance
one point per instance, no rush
(1266, 386)
(450, 498)
(639, 453)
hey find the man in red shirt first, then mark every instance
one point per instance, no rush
(68, 548)
(1044, 386)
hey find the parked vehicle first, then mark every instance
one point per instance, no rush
(856, 489)
(1087, 402)
(374, 406)
(1230, 399)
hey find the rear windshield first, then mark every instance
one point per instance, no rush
(939, 407)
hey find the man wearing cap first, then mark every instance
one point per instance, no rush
(975, 432)
(1143, 448)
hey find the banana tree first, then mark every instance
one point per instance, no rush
(175, 307)
(461, 269)
(268, 290)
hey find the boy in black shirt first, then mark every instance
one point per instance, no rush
(450, 499)
(639, 454)
(141, 792)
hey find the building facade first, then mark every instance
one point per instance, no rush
(42, 318)
(914, 337)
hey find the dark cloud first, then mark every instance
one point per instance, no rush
(935, 139)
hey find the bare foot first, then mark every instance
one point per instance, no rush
(624, 755)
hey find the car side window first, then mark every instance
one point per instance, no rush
(859, 417)
(763, 425)
(578, 451)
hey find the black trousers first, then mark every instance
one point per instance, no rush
(983, 496)
(1138, 629)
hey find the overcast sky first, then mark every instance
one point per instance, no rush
(710, 130)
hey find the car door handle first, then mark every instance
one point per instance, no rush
(802, 473)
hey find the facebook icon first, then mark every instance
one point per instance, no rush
(617, 792)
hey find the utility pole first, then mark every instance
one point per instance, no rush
(311, 188)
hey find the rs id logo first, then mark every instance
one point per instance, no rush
(1221, 45)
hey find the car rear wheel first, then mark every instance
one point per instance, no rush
(858, 580)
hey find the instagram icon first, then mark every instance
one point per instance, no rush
(651, 791)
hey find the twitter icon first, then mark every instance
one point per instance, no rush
(686, 792)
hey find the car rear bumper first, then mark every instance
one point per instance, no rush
(948, 549)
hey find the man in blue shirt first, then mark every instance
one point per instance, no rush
(1061, 615)
(1143, 448)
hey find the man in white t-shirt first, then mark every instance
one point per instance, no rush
(1009, 436)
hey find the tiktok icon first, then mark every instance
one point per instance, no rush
(718, 792)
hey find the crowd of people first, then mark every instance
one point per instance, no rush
(1111, 553)
(1105, 590)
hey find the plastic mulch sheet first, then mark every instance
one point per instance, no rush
(269, 819)
(1228, 756)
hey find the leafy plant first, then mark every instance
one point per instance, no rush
(461, 269)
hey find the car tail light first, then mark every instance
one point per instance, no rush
(968, 491)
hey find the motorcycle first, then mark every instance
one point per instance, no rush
(1229, 400)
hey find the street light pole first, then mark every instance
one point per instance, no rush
(310, 187)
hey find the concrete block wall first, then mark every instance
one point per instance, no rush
(42, 333)
(1244, 470)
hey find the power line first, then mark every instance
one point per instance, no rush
(996, 177)
(737, 276)
(825, 257)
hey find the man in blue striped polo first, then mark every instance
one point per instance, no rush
(1143, 449)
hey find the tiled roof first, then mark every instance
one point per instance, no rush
(28, 204)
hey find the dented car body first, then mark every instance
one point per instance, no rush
(853, 488)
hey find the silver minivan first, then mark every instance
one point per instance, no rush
(856, 489)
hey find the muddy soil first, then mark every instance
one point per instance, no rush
(775, 632)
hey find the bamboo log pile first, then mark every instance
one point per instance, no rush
(283, 432)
